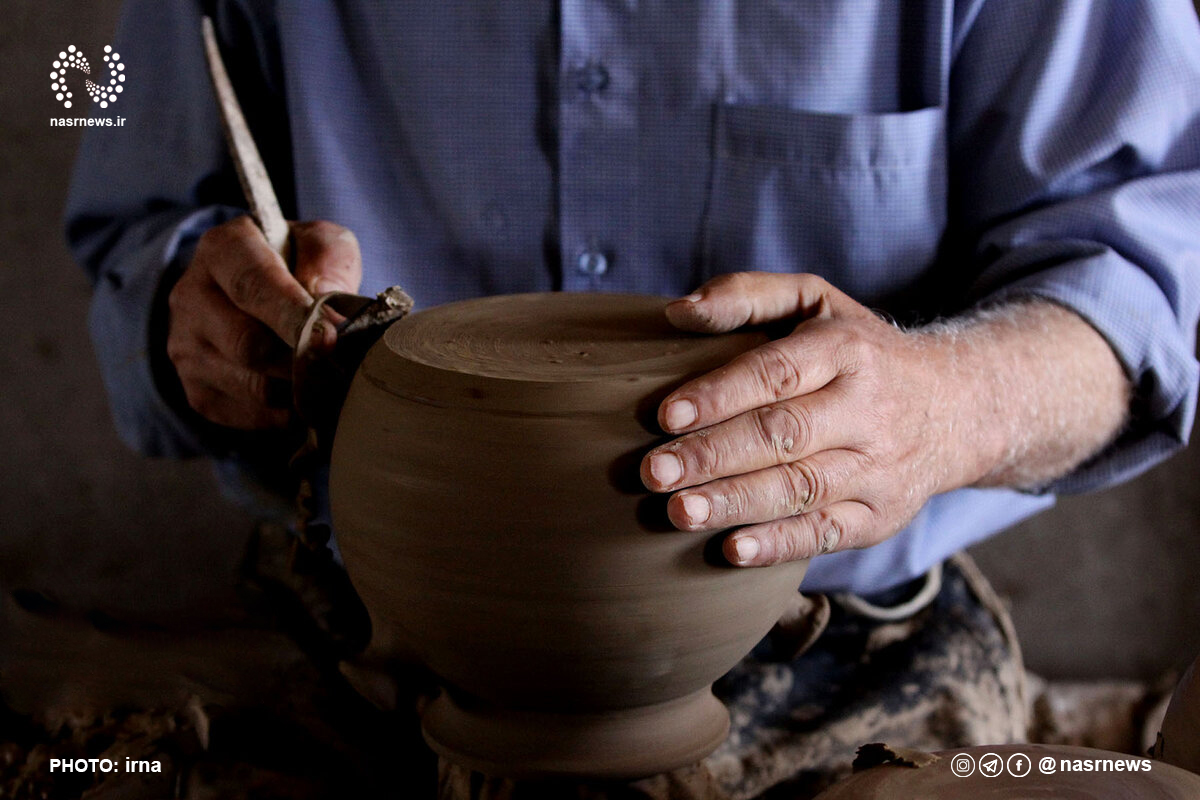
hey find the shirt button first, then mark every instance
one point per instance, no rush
(591, 78)
(592, 262)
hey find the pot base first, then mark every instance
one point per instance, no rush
(621, 745)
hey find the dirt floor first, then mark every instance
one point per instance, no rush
(246, 700)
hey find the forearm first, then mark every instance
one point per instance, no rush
(1030, 390)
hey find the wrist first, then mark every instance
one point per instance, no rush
(970, 430)
(1028, 391)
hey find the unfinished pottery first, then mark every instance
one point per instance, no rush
(486, 498)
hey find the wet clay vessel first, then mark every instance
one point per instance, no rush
(486, 498)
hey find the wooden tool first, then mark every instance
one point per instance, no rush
(252, 173)
(356, 313)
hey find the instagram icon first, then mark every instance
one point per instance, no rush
(962, 765)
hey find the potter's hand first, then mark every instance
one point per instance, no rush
(236, 311)
(835, 436)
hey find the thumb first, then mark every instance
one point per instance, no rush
(327, 257)
(730, 301)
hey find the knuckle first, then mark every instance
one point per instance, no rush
(735, 500)
(829, 533)
(785, 428)
(245, 345)
(856, 351)
(777, 371)
(834, 535)
(703, 455)
(249, 288)
(254, 384)
(814, 282)
(803, 486)
(788, 541)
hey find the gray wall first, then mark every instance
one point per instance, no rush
(83, 518)
(1103, 585)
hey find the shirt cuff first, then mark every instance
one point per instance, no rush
(128, 329)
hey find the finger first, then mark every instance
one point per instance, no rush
(245, 386)
(327, 257)
(763, 437)
(841, 526)
(769, 494)
(230, 412)
(237, 336)
(797, 365)
(752, 298)
(255, 277)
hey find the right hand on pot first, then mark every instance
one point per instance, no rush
(835, 435)
(236, 311)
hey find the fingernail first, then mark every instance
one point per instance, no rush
(746, 548)
(680, 414)
(694, 297)
(666, 468)
(326, 285)
(696, 508)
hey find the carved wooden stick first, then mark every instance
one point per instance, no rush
(256, 184)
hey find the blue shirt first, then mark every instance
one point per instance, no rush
(923, 156)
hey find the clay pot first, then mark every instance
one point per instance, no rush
(936, 780)
(486, 499)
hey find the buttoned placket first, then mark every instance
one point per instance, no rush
(597, 139)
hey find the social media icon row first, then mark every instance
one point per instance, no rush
(992, 765)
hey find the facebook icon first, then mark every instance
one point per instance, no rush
(1019, 765)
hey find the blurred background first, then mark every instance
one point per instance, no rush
(1104, 586)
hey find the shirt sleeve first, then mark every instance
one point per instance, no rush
(1075, 177)
(143, 192)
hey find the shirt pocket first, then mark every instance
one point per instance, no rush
(859, 199)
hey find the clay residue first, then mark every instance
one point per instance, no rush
(878, 753)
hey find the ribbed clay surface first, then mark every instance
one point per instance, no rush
(486, 499)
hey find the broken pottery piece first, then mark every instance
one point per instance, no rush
(1021, 771)
(486, 498)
